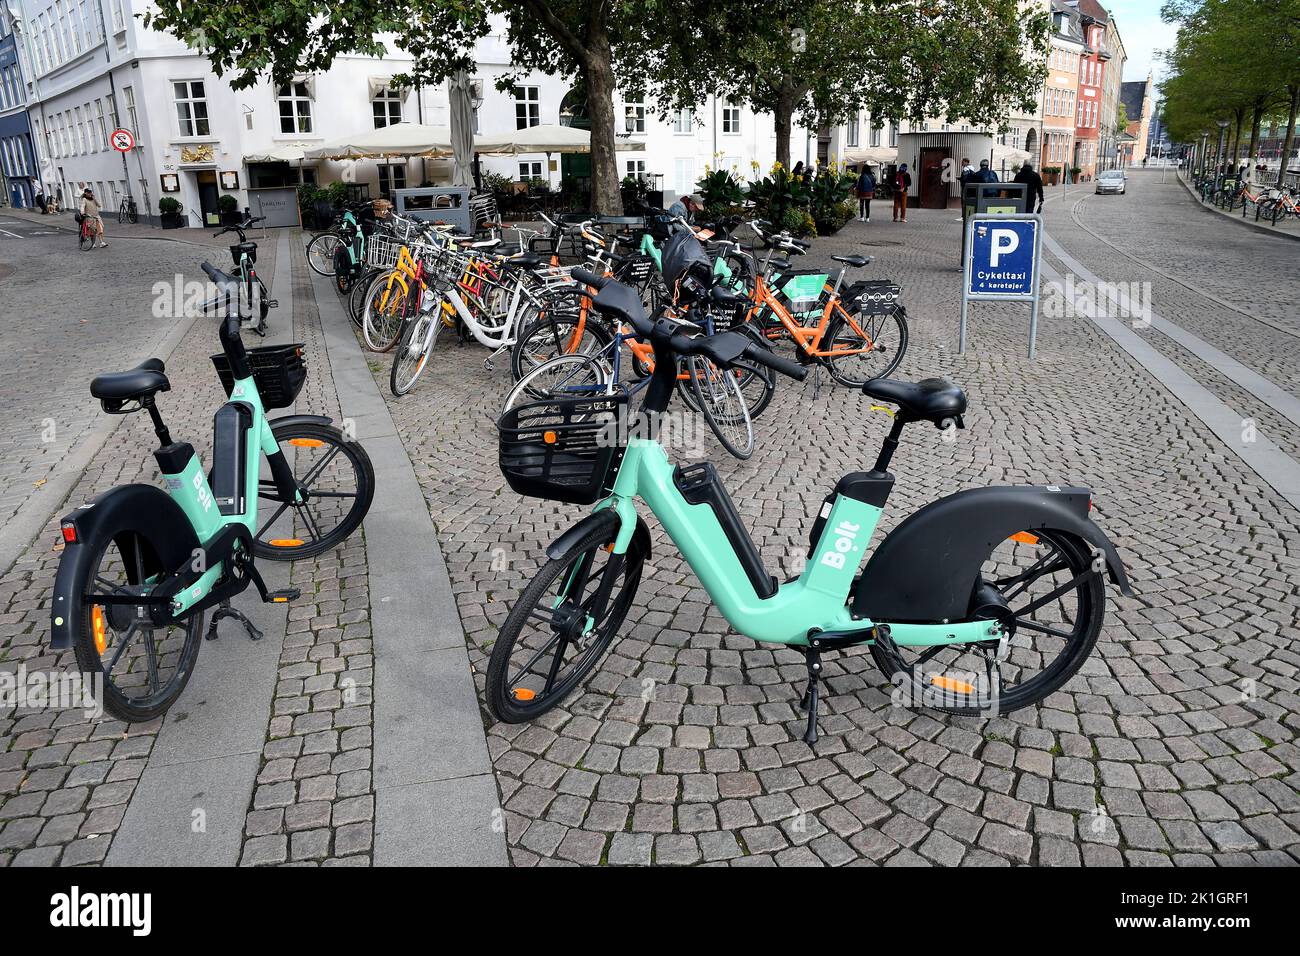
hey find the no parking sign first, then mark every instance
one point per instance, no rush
(122, 140)
(1002, 256)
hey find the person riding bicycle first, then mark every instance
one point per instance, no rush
(90, 212)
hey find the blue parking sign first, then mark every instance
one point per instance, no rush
(1002, 258)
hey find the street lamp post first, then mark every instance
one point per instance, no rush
(1218, 154)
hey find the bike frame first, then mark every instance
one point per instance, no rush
(189, 488)
(816, 602)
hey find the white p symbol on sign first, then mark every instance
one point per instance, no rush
(1005, 242)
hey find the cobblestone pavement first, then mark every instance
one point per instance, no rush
(65, 781)
(68, 306)
(1174, 745)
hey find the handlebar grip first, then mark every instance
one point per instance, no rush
(213, 273)
(589, 278)
(761, 356)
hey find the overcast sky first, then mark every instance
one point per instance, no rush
(1143, 33)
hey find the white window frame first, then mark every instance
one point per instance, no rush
(288, 93)
(731, 120)
(188, 106)
(389, 172)
(528, 106)
(635, 109)
(684, 122)
(851, 133)
(385, 100)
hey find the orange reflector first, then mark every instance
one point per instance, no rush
(523, 693)
(550, 437)
(280, 600)
(952, 684)
(285, 542)
(1024, 537)
(99, 626)
(306, 442)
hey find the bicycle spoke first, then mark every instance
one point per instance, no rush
(306, 480)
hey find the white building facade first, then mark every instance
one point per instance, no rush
(94, 67)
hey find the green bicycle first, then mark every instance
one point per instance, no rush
(985, 601)
(140, 565)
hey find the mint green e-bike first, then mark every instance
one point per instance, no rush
(141, 565)
(983, 602)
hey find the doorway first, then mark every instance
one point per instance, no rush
(207, 182)
(933, 190)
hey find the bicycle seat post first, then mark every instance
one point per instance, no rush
(159, 427)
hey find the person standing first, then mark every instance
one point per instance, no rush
(90, 210)
(866, 190)
(902, 183)
(1033, 186)
(985, 174)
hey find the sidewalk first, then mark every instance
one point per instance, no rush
(125, 230)
(1289, 228)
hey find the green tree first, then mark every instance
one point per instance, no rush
(586, 39)
(820, 61)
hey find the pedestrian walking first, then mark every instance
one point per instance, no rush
(41, 202)
(798, 169)
(902, 183)
(967, 174)
(90, 211)
(866, 190)
(1033, 185)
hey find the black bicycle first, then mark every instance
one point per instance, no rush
(126, 211)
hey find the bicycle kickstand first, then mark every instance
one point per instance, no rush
(487, 362)
(224, 610)
(809, 700)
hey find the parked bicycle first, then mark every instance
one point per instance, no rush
(254, 299)
(140, 566)
(983, 602)
(126, 211)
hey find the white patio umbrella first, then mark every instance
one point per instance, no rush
(460, 94)
(546, 138)
(398, 139)
(880, 155)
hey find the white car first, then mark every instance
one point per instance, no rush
(1111, 181)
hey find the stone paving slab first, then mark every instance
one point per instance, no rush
(1183, 720)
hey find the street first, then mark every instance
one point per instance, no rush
(1174, 745)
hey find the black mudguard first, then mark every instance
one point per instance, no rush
(604, 518)
(926, 568)
(296, 419)
(143, 508)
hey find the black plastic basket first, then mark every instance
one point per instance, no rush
(563, 449)
(278, 371)
(240, 248)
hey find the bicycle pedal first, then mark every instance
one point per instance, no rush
(283, 596)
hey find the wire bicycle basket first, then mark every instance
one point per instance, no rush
(564, 449)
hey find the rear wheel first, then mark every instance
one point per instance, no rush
(419, 334)
(556, 331)
(336, 483)
(720, 400)
(144, 667)
(1048, 589)
(863, 359)
(566, 376)
(560, 627)
(385, 309)
(320, 253)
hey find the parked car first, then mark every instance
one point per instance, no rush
(1112, 181)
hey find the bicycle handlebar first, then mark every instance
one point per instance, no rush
(227, 285)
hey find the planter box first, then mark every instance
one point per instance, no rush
(232, 218)
(172, 220)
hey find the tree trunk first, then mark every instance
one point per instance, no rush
(783, 116)
(1289, 139)
(1255, 121)
(599, 75)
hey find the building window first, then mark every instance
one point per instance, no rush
(387, 106)
(684, 121)
(636, 168)
(633, 117)
(684, 175)
(530, 170)
(730, 119)
(392, 176)
(191, 108)
(851, 134)
(129, 95)
(295, 107)
(528, 107)
(893, 134)
(875, 135)
(103, 125)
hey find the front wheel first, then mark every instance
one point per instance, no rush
(411, 356)
(561, 626)
(86, 241)
(719, 399)
(143, 666)
(335, 484)
(1044, 590)
(320, 253)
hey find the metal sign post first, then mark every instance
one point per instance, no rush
(1002, 259)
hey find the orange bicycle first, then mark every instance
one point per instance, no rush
(857, 334)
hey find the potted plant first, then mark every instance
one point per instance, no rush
(228, 206)
(170, 210)
(1051, 175)
(1074, 173)
(720, 192)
